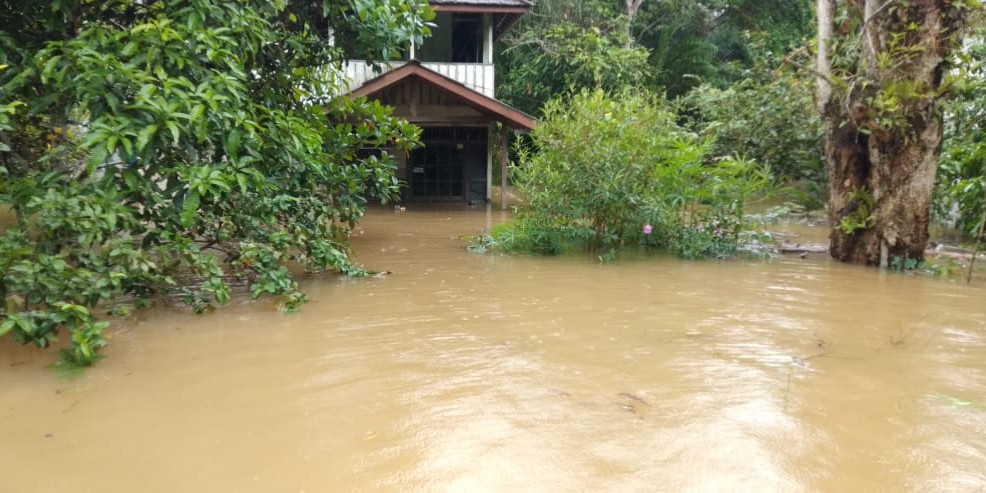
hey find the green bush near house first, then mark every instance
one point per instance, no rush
(603, 167)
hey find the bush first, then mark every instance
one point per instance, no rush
(607, 172)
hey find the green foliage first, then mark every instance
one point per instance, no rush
(884, 90)
(768, 117)
(859, 213)
(960, 192)
(933, 266)
(898, 264)
(675, 45)
(695, 42)
(610, 172)
(180, 144)
(564, 46)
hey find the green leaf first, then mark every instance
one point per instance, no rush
(145, 136)
(131, 179)
(175, 134)
(96, 159)
(6, 326)
(233, 142)
(190, 207)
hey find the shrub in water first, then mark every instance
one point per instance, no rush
(602, 167)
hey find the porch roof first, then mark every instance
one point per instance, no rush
(505, 13)
(509, 116)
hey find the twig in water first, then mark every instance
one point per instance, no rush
(979, 237)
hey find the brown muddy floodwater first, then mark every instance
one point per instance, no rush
(471, 373)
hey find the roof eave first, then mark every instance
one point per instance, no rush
(508, 115)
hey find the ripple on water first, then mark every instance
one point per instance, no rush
(463, 372)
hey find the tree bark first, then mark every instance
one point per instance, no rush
(882, 141)
(632, 7)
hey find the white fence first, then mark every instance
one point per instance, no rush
(476, 76)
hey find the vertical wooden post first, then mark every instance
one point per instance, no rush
(491, 145)
(504, 163)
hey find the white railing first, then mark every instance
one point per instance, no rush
(476, 76)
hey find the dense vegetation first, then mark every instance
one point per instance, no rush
(960, 197)
(744, 73)
(148, 147)
(606, 172)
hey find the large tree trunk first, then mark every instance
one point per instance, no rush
(883, 128)
(898, 174)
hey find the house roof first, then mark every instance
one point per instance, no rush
(502, 112)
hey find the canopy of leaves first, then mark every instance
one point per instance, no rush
(692, 42)
(564, 46)
(148, 146)
(670, 45)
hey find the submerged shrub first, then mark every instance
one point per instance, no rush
(603, 167)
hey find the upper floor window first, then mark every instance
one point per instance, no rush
(457, 38)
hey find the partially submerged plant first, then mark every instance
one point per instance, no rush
(602, 166)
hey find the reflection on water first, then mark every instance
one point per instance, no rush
(464, 372)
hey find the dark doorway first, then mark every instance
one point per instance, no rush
(450, 166)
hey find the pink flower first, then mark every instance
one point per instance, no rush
(648, 229)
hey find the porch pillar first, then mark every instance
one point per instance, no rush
(504, 163)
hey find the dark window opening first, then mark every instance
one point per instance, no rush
(467, 38)
(456, 38)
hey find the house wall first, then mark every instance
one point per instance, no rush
(424, 104)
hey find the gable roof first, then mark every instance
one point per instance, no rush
(508, 115)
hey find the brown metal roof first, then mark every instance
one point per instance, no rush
(509, 116)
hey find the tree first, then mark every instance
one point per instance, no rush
(564, 46)
(768, 117)
(182, 145)
(882, 69)
(961, 181)
(692, 42)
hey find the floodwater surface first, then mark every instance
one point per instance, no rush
(462, 372)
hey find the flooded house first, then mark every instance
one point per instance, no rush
(447, 86)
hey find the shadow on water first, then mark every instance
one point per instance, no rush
(466, 372)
